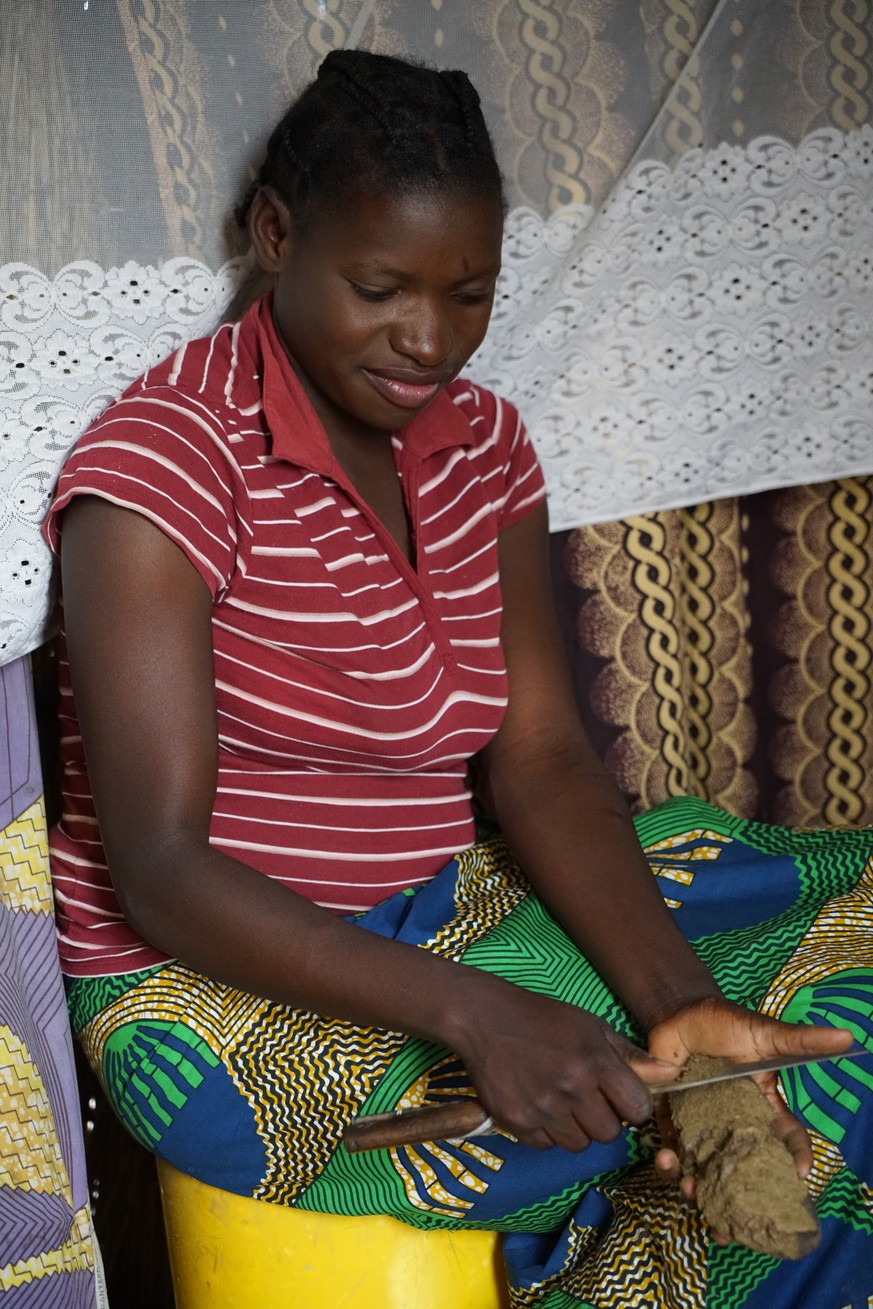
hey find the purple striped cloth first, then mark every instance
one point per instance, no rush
(47, 1252)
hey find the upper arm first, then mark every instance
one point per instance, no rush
(138, 625)
(542, 716)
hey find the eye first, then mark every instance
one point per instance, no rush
(375, 294)
(474, 297)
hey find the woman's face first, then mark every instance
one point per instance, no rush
(381, 305)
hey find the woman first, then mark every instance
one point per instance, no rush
(305, 589)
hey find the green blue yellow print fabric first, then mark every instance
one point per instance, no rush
(253, 1097)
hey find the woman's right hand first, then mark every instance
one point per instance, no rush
(553, 1074)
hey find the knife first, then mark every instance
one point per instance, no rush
(456, 1120)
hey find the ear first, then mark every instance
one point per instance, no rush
(270, 230)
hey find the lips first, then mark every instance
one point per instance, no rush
(406, 388)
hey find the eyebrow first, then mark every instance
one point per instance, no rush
(385, 270)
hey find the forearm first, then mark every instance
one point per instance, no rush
(234, 924)
(572, 833)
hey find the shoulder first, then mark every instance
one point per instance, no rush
(196, 408)
(181, 447)
(176, 448)
(220, 370)
(156, 445)
(217, 378)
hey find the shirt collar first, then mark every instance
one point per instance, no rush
(296, 430)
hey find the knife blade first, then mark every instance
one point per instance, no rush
(729, 1069)
(456, 1120)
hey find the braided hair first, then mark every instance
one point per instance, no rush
(375, 122)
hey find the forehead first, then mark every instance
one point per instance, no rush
(451, 236)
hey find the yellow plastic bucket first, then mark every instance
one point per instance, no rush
(228, 1252)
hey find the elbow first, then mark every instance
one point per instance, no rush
(550, 761)
(150, 889)
(146, 904)
(565, 778)
(143, 908)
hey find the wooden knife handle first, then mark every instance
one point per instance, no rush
(433, 1122)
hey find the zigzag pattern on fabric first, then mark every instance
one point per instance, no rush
(306, 1078)
(654, 1252)
(489, 886)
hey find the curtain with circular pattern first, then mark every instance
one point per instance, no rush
(683, 314)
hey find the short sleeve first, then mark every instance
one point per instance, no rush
(503, 452)
(166, 456)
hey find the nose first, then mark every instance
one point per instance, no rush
(423, 333)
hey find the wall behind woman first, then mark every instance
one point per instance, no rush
(689, 254)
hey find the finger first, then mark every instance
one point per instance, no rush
(790, 1131)
(664, 1121)
(564, 1132)
(556, 1125)
(628, 1096)
(624, 1048)
(625, 1083)
(804, 1038)
(574, 1139)
(648, 1067)
(668, 1166)
(651, 1070)
(797, 1142)
(597, 1118)
(536, 1137)
(826, 1040)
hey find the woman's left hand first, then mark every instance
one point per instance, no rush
(720, 1028)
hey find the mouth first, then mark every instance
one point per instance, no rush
(408, 389)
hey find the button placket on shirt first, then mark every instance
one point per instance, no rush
(409, 472)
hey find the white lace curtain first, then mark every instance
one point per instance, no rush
(684, 309)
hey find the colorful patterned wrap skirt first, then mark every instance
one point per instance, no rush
(253, 1097)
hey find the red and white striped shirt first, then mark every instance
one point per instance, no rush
(352, 687)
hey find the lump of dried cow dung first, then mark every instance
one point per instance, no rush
(747, 1184)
